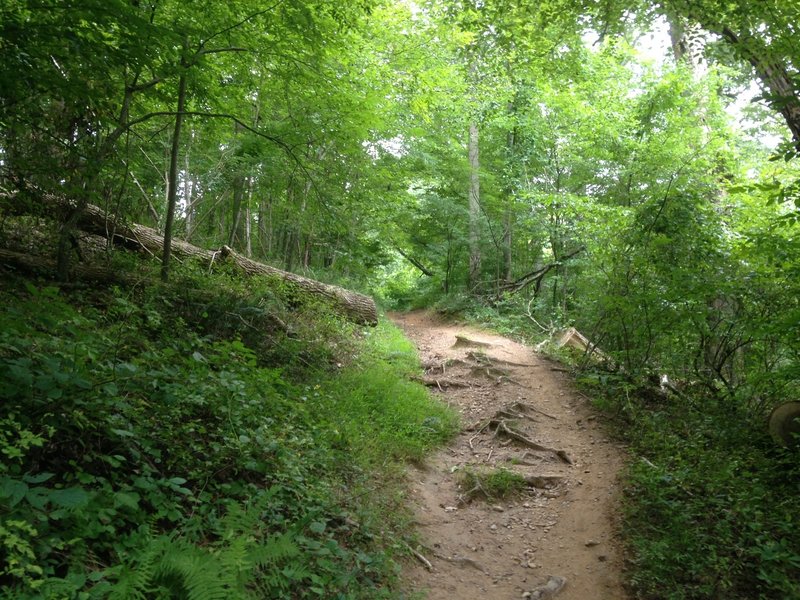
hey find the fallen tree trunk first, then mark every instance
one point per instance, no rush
(355, 307)
(538, 275)
(31, 263)
(425, 270)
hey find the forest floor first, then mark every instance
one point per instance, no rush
(562, 528)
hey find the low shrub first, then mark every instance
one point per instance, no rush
(150, 452)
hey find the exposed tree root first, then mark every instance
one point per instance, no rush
(443, 366)
(442, 384)
(421, 558)
(532, 482)
(493, 373)
(501, 427)
(464, 341)
(521, 407)
(483, 359)
(509, 413)
(462, 561)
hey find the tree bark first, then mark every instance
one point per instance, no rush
(172, 194)
(508, 214)
(474, 209)
(38, 264)
(538, 275)
(238, 195)
(425, 270)
(356, 307)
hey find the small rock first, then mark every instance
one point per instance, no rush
(493, 527)
(450, 508)
(498, 508)
(592, 543)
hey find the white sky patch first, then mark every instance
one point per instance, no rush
(743, 122)
(655, 47)
(396, 147)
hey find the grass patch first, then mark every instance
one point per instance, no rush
(495, 484)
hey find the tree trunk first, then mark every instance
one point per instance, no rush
(774, 77)
(238, 194)
(41, 264)
(188, 188)
(474, 209)
(265, 226)
(508, 216)
(356, 307)
(172, 194)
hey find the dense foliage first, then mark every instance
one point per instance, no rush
(537, 164)
(149, 451)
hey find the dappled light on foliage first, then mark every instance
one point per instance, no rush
(535, 166)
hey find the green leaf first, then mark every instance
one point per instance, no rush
(13, 489)
(123, 432)
(38, 478)
(127, 500)
(318, 526)
(73, 497)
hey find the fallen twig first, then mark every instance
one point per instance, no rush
(425, 562)
(521, 407)
(463, 561)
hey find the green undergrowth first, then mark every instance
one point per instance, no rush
(494, 484)
(711, 505)
(202, 440)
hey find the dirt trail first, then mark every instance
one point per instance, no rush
(564, 527)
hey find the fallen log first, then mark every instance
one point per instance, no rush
(31, 263)
(356, 307)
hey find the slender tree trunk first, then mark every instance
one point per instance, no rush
(474, 209)
(265, 226)
(508, 216)
(188, 185)
(172, 193)
(191, 209)
(687, 46)
(238, 195)
(248, 243)
(65, 244)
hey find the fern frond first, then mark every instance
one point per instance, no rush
(136, 576)
(275, 549)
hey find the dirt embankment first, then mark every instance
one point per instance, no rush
(519, 413)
